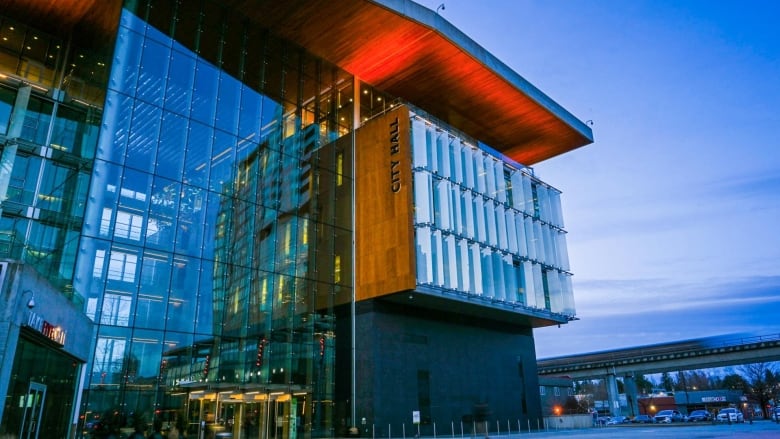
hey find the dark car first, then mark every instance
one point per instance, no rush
(642, 419)
(617, 420)
(699, 416)
(668, 416)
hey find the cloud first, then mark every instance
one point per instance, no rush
(631, 316)
(613, 297)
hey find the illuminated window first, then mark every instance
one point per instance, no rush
(339, 168)
(127, 225)
(263, 291)
(109, 356)
(105, 221)
(122, 266)
(116, 309)
(337, 269)
(287, 239)
(100, 257)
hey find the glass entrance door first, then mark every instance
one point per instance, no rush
(32, 410)
(246, 415)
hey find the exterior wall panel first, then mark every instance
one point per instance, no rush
(384, 237)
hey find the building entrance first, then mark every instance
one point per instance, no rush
(32, 410)
(247, 415)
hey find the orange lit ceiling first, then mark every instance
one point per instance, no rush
(411, 52)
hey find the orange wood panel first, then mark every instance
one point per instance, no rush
(384, 237)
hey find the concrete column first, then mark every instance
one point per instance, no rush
(14, 130)
(356, 122)
(612, 394)
(629, 384)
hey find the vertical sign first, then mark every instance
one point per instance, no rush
(384, 235)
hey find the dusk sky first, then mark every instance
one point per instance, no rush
(673, 212)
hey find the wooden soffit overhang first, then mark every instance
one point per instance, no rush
(411, 52)
(88, 21)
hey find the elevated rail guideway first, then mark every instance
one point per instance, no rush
(701, 353)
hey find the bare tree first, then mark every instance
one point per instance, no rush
(762, 380)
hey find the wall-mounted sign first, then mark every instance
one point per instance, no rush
(50, 331)
(395, 148)
(713, 399)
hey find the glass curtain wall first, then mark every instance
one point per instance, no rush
(218, 227)
(51, 94)
(485, 227)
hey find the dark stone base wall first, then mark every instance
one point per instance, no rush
(450, 368)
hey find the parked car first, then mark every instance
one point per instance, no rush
(616, 420)
(699, 416)
(642, 419)
(602, 420)
(730, 415)
(776, 414)
(668, 416)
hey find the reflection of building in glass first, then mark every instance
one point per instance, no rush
(260, 219)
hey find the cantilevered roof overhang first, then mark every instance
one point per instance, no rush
(413, 53)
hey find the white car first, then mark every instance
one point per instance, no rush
(730, 415)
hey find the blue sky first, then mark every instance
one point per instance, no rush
(673, 212)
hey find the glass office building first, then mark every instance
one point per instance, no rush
(242, 219)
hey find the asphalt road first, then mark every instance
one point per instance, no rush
(759, 429)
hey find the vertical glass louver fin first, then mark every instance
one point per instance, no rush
(486, 227)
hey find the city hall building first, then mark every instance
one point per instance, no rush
(271, 219)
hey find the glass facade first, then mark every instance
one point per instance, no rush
(486, 227)
(217, 226)
(50, 109)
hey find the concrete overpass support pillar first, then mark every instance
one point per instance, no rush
(612, 394)
(629, 384)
